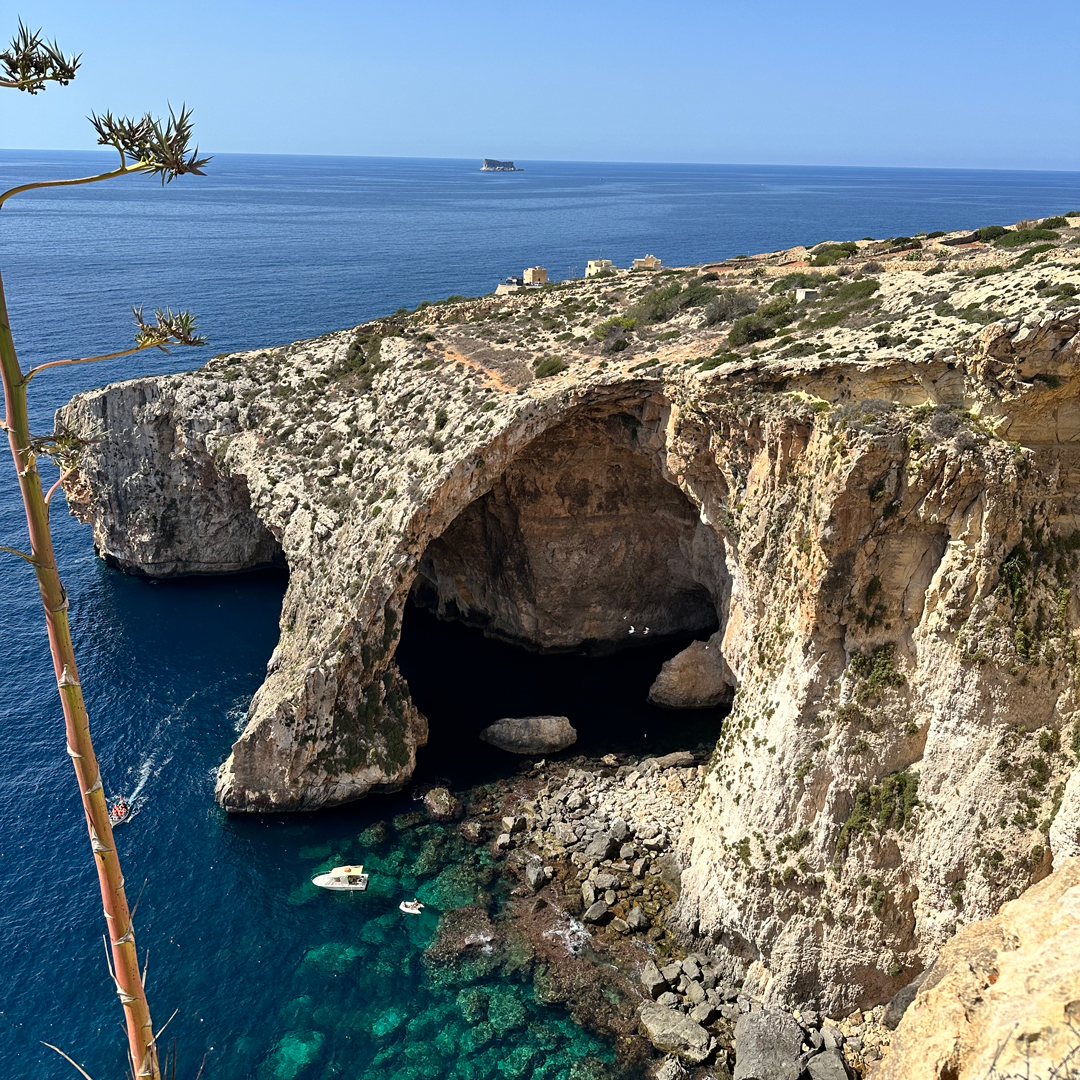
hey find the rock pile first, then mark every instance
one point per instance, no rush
(615, 826)
(596, 839)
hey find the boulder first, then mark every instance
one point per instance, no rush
(531, 734)
(596, 912)
(673, 1033)
(534, 876)
(679, 759)
(441, 805)
(768, 1046)
(638, 920)
(601, 846)
(696, 678)
(1002, 995)
(671, 972)
(651, 978)
(828, 1065)
(703, 1013)
(462, 932)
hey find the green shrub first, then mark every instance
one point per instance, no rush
(799, 279)
(856, 290)
(729, 305)
(935, 234)
(887, 805)
(988, 271)
(831, 254)
(990, 232)
(876, 670)
(750, 328)
(440, 419)
(551, 366)
(903, 243)
(1020, 237)
(709, 363)
(609, 327)
(1053, 223)
(1029, 256)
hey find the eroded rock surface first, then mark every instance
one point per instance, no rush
(1004, 993)
(874, 514)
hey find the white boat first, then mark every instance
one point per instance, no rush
(343, 878)
(119, 812)
(411, 907)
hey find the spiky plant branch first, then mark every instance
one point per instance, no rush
(30, 62)
(159, 149)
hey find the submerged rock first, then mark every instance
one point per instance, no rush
(531, 734)
(441, 805)
(462, 931)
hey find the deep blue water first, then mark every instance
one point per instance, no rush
(271, 980)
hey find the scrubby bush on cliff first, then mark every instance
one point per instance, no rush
(763, 323)
(1020, 237)
(831, 254)
(729, 305)
(553, 365)
(659, 305)
(990, 232)
(798, 279)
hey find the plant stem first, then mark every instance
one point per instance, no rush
(129, 986)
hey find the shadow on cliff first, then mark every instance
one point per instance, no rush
(462, 681)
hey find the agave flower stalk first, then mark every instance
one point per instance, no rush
(161, 149)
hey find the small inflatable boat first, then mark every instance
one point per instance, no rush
(119, 812)
(411, 907)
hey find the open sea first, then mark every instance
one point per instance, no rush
(272, 979)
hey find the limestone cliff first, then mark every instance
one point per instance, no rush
(870, 498)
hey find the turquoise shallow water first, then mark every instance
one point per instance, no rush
(272, 980)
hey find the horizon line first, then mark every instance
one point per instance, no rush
(563, 161)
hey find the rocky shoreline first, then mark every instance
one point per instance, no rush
(588, 849)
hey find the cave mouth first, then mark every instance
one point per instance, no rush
(462, 681)
(536, 598)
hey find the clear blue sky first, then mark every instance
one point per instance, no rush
(988, 84)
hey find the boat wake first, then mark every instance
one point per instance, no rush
(147, 771)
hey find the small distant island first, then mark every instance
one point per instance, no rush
(491, 165)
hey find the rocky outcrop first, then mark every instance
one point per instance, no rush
(531, 734)
(873, 515)
(696, 678)
(1003, 998)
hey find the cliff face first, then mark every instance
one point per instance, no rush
(875, 512)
